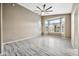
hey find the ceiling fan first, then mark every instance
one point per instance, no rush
(44, 9)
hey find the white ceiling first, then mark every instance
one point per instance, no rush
(58, 8)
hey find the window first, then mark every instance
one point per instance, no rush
(54, 25)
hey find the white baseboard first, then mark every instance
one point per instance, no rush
(21, 39)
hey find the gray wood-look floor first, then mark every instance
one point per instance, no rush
(41, 46)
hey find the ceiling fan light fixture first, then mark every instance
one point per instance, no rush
(44, 10)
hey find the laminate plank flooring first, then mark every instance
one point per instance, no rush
(41, 46)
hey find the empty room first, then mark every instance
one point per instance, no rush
(39, 29)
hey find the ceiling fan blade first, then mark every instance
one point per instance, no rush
(38, 8)
(49, 8)
(44, 6)
(50, 11)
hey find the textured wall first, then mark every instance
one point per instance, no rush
(19, 23)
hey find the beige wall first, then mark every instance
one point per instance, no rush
(67, 17)
(68, 26)
(19, 23)
(75, 25)
(0, 28)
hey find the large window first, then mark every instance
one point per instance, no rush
(54, 25)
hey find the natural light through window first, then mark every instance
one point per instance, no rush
(54, 25)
